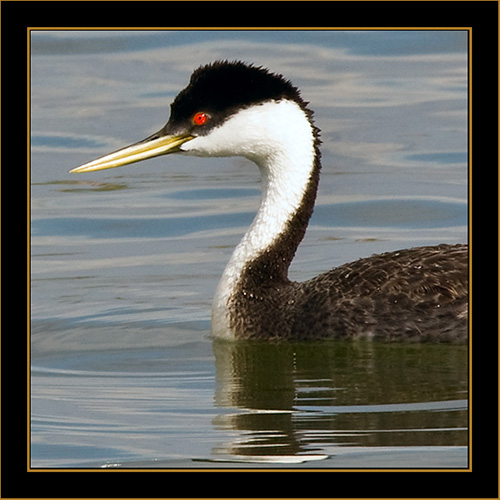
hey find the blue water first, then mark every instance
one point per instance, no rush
(125, 261)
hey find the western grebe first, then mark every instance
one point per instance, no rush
(236, 109)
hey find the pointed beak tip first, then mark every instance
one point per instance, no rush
(76, 170)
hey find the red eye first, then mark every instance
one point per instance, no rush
(201, 118)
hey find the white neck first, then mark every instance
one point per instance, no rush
(279, 138)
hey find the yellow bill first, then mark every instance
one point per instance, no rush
(154, 145)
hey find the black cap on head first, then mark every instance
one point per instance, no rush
(222, 88)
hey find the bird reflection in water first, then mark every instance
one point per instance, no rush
(296, 402)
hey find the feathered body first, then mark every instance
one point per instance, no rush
(418, 295)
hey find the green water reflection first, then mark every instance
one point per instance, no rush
(291, 399)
